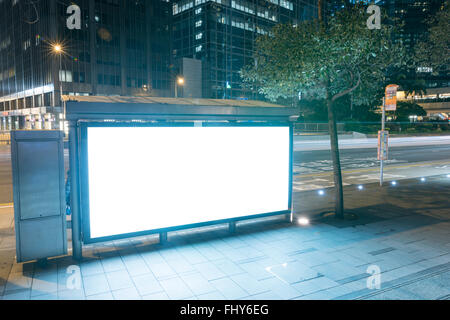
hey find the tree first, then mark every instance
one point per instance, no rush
(434, 51)
(406, 109)
(327, 61)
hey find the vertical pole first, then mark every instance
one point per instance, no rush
(176, 89)
(60, 96)
(74, 203)
(381, 153)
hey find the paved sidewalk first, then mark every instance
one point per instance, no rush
(402, 231)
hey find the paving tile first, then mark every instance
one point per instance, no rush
(229, 288)
(111, 264)
(209, 271)
(181, 266)
(319, 295)
(314, 285)
(48, 296)
(89, 268)
(101, 296)
(136, 266)
(280, 288)
(162, 270)
(119, 280)
(228, 267)
(44, 283)
(126, 294)
(256, 270)
(215, 295)
(152, 257)
(176, 289)
(71, 294)
(209, 252)
(19, 294)
(192, 255)
(147, 284)
(17, 281)
(268, 295)
(198, 284)
(95, 284)
(249, 284)
(293, 272)
(338, 270)
(156, 296)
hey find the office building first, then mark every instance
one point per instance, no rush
(118, 48)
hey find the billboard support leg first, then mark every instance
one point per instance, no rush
(163, 237)
(74, 203)
(288, 217)
(232, 227)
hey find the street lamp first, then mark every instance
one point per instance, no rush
(57, 48)
(179, 82)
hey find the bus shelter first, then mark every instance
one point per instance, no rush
(145, 165)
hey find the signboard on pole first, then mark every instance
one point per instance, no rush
(383, 139)
(390, 102)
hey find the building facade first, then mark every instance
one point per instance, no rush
(121, 48)
(221, 34)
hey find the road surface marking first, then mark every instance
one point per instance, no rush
(375, 169)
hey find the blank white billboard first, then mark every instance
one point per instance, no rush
(147, 178)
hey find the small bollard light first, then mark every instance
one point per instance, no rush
(303, 221)
(360, 187)
(321, 192)
(394, 183)
(423, 179)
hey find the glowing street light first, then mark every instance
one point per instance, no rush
(179, 82)
(57, 48)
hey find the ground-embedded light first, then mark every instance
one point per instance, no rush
(303, 221)
(394, 183)
(321, 192)
(360, 187)
(423, 179)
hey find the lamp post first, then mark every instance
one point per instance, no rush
(178, 82)
(59, 51)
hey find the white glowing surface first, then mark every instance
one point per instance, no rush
(156, 177)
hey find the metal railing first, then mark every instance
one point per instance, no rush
(319, 127)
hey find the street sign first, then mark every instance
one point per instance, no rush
(390, 102)
(383, 139)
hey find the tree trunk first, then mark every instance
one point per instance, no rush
(339, 196)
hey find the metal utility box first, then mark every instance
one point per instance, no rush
(38, 188)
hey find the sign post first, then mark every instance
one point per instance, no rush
(389, 104)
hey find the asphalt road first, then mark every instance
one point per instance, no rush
(312, 168)
(306, 162)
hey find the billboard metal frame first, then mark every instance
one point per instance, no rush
(84, 177)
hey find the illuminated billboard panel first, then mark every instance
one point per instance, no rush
(149, 178)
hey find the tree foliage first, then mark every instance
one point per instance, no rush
(326, 60)
(406, 109)
(434, 51)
